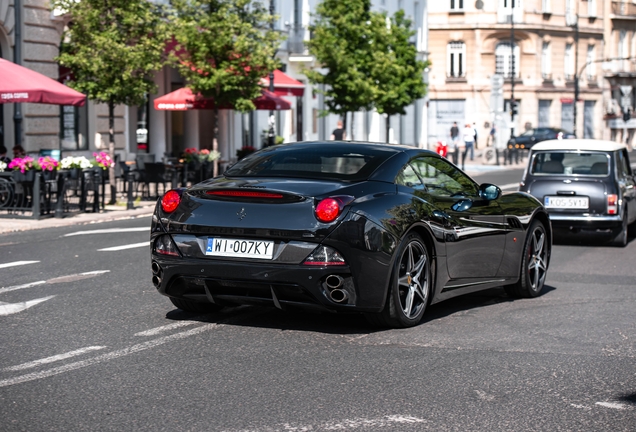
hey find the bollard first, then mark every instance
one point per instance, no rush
(130, 203)
(35, 195)
(61, 190)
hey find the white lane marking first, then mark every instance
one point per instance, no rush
(509, 186)
(389, 421)
(54, 280)
(17, 263)
(17, 287)
(157, 330)
(107, 231)
(36, 363)
(129, 246)
(12, 308)
(105, 357)
(613, 405)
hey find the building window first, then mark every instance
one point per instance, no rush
(622, 49)
(591, 8)
(546, 61)
(588, 119)
(569, 62)
(546, 6)
(544, 113)
(508, 9)
(570, 12)
(591, 65)
(456, 5)
(456, 59)
(503, 60)
(567, 116)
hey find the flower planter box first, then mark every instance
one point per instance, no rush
(24, 177)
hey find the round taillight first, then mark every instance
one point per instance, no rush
(170, 201)
(327, 210)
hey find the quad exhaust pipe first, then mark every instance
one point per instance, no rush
(155, 268)
(334, 284)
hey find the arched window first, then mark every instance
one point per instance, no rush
(456, 63)
(503, 60)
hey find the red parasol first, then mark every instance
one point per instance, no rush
(183, 100)
(284, 85)
(19, 84)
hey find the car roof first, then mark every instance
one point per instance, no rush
(578, 144)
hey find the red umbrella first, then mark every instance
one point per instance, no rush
(183, 100)
(20, 84)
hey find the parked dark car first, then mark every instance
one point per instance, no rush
(586, 185)
(530, 137)
(345, 227)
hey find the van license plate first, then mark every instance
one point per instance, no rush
(561, 202)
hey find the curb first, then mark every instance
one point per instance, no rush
(110, 213)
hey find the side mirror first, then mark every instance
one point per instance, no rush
(489, 191)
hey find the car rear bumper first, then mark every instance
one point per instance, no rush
(283, 286)
(586, 222)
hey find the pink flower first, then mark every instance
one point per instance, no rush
(23, 164)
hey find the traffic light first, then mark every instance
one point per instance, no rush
(627, 114)
(513, 109)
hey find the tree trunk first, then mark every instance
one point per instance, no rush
(111, 152)
(344, 122)
(353, 125)
(215, 142)
(387, 128)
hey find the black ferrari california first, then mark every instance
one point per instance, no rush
(345, 227)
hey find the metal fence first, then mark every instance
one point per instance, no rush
(38, 195)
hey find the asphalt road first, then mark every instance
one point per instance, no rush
(88, 345)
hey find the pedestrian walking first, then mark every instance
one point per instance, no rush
(338, 133)
(454, 133)
(469, 143)
(475, 129)
(493, 135)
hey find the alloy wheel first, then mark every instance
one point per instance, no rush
(537, 259)
(413, 284)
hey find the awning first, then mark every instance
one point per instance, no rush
(183, 100)
(284, 85)
(19, 84)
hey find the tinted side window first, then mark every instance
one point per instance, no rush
(443, 179)
(407, 177)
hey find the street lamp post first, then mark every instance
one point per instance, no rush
(513, 104)
(271, 131)
(576, 66)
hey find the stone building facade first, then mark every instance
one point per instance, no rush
(543, 43)
(74, 130)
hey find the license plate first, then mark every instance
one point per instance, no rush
(567, 202)
(240, 248)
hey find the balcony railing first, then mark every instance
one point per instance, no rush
(546, 76)
(569, 77)
(624, 8)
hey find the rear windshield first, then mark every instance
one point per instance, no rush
(570, 163)
(349, 162)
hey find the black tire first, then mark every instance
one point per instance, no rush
(621, 238)
(194, 306)
(410, 288)
(534, 263)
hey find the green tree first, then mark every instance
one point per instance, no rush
(342, 42)
(113, 47)
(398, 74)
(224, 49)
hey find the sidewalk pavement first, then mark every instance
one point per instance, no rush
(110, 213)
(146, 208)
